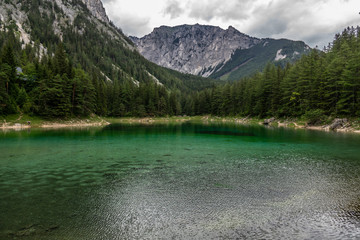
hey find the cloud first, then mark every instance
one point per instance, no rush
(128, 20)
(278, 17)
(315, 22)
(133, 26)
(173, 9)
(108, 1)
(322, 35)
(217, 9)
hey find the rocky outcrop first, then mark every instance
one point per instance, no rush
(195, 49)
(63, 19)
(97, 9)
(268, 121)
(213, 52)
(338, 123)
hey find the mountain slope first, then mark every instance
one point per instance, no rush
(65, 58)
(213, 52)
(245, 62)
(89, 38)
(194, 49)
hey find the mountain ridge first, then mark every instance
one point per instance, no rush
(71, 47)
(205, 50)
(97, 9)
(195, 49)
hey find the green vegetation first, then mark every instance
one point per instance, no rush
(52, 87)
(246, 62)
(320, 83)
(93, 70)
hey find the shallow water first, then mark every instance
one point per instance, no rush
(185, 181)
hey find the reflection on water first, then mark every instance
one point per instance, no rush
(186, 181)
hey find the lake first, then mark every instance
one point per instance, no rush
(180, 181)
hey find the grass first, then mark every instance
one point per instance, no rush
(291, 125)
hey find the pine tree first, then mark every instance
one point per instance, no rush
(61, 65)
(55, 102)
(8, 66)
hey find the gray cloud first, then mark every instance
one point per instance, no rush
(322, 35)
(217, 9)
(314, 22)
(173, 9)
(277, 17)
(293, 20)
(108, 1)
(132, 26)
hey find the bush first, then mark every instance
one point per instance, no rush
(315, 116)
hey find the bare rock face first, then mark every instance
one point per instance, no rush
(268, 121)
(337, 123)
(196, 49)
(70, 9)
(97, 9)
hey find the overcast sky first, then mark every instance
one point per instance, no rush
(313, 21)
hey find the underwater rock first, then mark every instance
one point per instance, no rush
(27, 231)
(33, 229)
(52, 227)
(268, 121)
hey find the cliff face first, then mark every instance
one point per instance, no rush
(97, 9)
(64, 11)
(213, 52)
(89, 39)
(194, 49)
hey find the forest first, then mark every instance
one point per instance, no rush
(53, 87)
(322, 83)
(63, 85)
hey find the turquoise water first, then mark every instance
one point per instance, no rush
(185, 181)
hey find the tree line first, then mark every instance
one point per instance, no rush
(53, 87)
(322, 83)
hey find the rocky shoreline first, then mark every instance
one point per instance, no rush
(337, 125)
(55, 124)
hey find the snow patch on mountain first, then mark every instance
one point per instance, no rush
(279, 56)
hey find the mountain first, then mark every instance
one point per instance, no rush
(60, 54)
(194, 49)
(89, 37)
(97, 9)
(245, 62)
(213, 52)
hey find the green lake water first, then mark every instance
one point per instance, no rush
(182, 181)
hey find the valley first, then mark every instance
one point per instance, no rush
(193, 131)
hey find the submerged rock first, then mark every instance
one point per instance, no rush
(26, 232)
(33, 229)
(268, 121)
(52, 227)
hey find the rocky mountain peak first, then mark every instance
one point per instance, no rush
(97, 9)
(196, 49)
(232, 29)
